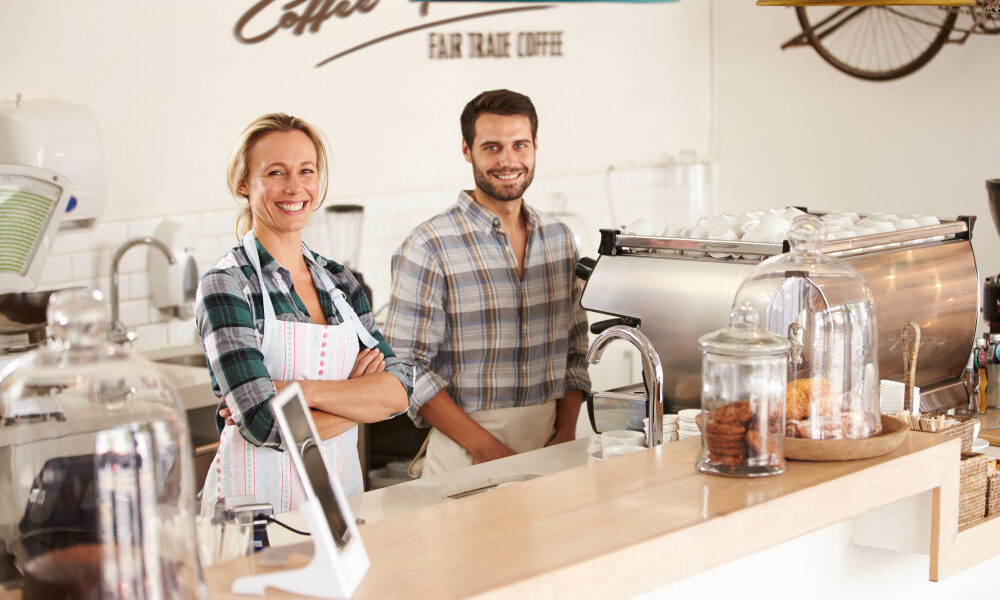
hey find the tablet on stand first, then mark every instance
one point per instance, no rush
(339, 561)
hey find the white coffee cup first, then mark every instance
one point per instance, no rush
(853, 216)
(620, 450)
(718, 222)
(772, 227)
(837, 221)
(722, 234)
(879, 225)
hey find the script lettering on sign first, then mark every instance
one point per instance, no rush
(265, 18)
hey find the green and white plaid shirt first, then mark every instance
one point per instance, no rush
(230, 320)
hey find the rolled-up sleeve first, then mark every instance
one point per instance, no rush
(577, 375)
(229, 340)
(415, 325)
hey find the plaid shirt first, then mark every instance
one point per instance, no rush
(459, 314)
(230, 320)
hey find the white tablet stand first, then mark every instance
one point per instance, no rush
(339, 560)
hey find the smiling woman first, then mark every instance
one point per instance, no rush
(271, 312)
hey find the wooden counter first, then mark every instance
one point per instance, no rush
(624, 526)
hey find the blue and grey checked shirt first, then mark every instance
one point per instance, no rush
(461, 316)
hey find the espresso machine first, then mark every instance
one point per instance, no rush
(991, 309)
(676, 289)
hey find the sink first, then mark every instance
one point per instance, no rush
(184, 360)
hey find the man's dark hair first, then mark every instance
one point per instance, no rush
(498, 102)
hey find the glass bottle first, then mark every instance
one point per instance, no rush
(743, 374)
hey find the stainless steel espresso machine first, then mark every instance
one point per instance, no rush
(991, 309)
(675, 290)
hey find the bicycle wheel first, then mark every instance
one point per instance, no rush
(877, 43)
(989, 21)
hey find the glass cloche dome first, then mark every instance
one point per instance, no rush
(825, 309)
(97, 486)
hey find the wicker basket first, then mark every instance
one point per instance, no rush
(993, 495)
(963, 431)
(972, 488)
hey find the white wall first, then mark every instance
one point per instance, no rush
(793, 130)
(172, 87)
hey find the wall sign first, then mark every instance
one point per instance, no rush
(263, 20)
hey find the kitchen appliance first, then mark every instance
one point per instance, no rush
(32, 204)
(96, 484)
(675, 290)
(991, 308)
(744, 370)
(63, 138)
(344, 222)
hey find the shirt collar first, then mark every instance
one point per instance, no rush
(269, 265)
(485, 218)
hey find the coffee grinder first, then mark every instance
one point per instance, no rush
(991, 309)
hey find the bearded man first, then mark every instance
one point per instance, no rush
(484, 304)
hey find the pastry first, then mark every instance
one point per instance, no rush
(736, 412)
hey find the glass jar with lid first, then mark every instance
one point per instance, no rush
(97, 490)
(743, 398)
(826, 310)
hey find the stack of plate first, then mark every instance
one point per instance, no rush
(686, 425)
(669, 428)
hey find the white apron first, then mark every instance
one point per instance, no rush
(292, 352)
(520, 428)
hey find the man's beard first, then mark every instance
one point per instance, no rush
(488, 184)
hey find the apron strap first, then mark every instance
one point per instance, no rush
(343, 307)
(250, 245)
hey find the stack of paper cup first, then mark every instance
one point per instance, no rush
(686, 425)
(669, 428)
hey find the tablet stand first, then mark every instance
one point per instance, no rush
(330, 573)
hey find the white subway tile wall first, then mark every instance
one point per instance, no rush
(84, 258)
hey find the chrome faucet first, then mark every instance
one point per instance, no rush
(652, 372)
(119, 333)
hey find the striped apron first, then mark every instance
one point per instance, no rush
(292, 351)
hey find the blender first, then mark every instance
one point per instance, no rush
(991, 309)
(343, 223)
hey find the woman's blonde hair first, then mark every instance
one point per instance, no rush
(239, 162)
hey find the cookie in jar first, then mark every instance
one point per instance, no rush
(743, 374)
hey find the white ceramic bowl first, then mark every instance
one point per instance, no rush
(979, 445)
(622, 437)
(620, 450)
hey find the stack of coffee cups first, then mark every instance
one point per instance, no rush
(686, 425)
(669, 428)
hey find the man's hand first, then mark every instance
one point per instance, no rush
(368, 361)
(493, 450)
(561, 436)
